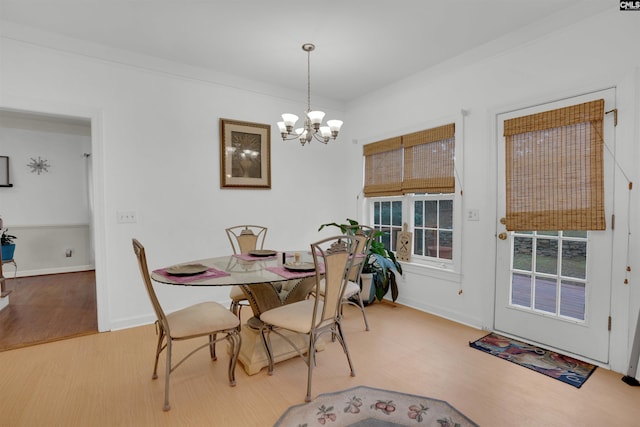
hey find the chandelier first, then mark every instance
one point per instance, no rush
(312, 127)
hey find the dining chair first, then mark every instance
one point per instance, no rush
(314, 317)
(243, 238)
(352, 294)
(204, 319)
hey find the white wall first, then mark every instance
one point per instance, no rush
(155, 148)
(600, 52)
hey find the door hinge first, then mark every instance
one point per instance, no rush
(609, 324)
(613, 221)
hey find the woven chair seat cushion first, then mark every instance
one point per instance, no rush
(201, 319)
(296, 316)
(352, 289)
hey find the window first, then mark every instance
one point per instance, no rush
(433, 225)
(410, 179)
(429, 216)
(387, 217)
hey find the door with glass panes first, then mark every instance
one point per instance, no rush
(553, 285)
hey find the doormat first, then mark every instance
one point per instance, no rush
(555, 365)
(367, 406)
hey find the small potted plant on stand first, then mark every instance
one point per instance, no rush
(8, 247)
(380, 266)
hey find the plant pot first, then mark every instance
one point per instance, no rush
(7, 251)
(367, 291)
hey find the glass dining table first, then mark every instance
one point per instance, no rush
(267, 280)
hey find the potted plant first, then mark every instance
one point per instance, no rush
(379, 262)
(8, 247)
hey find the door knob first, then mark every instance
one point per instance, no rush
(502, 236)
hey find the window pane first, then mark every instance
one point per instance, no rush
(547, 256)
(385, 213)
(446, 238)
(522, 253)
(386, 238)
(418, 248)
(431, 242)
(521, 289)
(582, 234)
(418, 207)
(397, 214)
(446, 214)
(545, 294)
(572, 299)
(376, 212)
(574, 259)
(431, 214)
(548, 233)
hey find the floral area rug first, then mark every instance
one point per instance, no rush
(372, 407)
(563, 368)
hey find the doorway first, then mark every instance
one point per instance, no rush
(53, 211)
(553, 287)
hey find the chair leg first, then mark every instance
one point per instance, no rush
(212, 346)
(235, 339)
(311, 361)
(266, 340)
(158, 351)
(236, 308)
(166, 406)
(340, 336)
(364, 313)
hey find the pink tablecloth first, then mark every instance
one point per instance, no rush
(211, 273)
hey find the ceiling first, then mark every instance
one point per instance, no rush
(361, 45)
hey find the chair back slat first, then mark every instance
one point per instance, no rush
(146, 278)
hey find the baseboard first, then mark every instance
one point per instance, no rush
(45, 271)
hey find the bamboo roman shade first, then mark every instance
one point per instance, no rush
(554, 169)
(420, 162)
(383, 168)
(428, 161)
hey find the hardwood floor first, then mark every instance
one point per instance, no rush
(105, 380)
(48, 308)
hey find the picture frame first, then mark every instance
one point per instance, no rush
(245, 154)
(4, 172)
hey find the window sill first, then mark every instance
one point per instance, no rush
(442, 273)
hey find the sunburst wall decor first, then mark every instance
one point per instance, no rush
(39, 165)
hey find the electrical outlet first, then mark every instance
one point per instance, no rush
(127, 217)
(473, 215)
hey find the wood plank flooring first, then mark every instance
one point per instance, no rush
(48, 308)
(104, 379)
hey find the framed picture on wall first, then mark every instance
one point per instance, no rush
(245, 154)
(4, 172)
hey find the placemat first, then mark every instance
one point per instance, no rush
(247, 257)
(211, 273)
(281, 271)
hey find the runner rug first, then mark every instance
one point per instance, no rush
(366, 406)
(555, 365)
